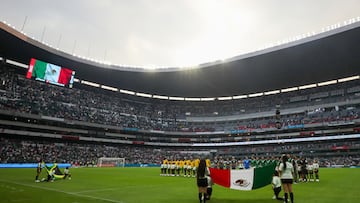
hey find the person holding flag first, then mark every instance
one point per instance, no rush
(276, 186)
(247, 163)
(201, 180)
(286, 171)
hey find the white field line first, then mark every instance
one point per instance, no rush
(61, 191)
(98, 190)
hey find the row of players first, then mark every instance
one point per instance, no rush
(187, 168)
(303, 170)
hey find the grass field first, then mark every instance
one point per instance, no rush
(144, 185)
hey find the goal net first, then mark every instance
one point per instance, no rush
(111, 162)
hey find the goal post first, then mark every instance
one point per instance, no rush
(111, 162)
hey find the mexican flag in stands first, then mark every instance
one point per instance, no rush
(243, 179)
(49, 72)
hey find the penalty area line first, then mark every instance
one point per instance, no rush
(98, 190)
(61, 191)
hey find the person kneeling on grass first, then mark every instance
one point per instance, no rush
(276, 185)
(67, 173)
(51, 176)
(209, 188)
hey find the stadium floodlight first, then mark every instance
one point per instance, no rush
(224, 98)
(256, 94)
(90, 83)
(127, 92)
(192, 99)
(307, 86)
(143, 95)
(15, 63)
(177, 98)
(240, 97)
(349, 78)
(109, 88)
(290, 89)
(272, 92)
(330, 82)
(207, 99)
(160, 97)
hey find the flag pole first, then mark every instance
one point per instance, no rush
(43, 34)
(57, 46)
(88, 52)
(22, 28)
(74, 47)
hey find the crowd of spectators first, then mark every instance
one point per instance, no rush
(106, 107)
(24, 151)
(93, 105)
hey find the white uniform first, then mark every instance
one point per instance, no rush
(316, 166)
(288, 172)
(276, 182)
(316, 170)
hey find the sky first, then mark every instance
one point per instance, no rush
(170, 33)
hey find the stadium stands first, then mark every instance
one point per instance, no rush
(146, 121)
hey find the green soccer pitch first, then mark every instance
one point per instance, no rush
(145, 185)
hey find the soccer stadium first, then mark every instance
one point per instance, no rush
(98, 132)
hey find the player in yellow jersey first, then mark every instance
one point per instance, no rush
(196, 165)
(193, 166)
(173, 168)
(177, 167)
(189, 168)
(208, 163)
(182, 164)
(197, 161)
(163, 167)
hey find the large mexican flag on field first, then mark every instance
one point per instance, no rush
(243, 179)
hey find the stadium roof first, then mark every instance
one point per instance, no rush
(326, 56)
